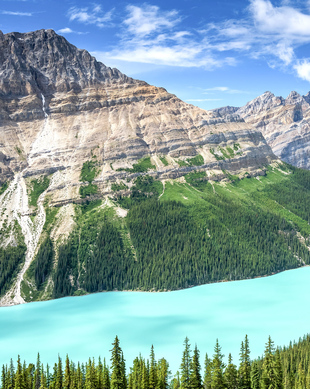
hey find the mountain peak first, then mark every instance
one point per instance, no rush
(293, 98)
(44, 62)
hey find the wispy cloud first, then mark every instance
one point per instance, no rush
(224, 89)
(94, 15)
(200, 100)
(270, 32)
(143, 21)
(68, 30)
(14, 13)
(150, 35)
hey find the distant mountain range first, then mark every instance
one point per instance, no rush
(92, 162)
(285, 124)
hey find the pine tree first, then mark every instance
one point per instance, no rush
(43, 381)
(19, 383)
(217, 378)
(268, 376)
(37, 376)
(301, 378)
(145, 377)
(153, 370)
(67, 376)
(244, 373)
(117, 366)
(3, 376)
(163, 374)
(195, 375)
(255, 375)
(207, 377)
(231, 374)
(175, 382)
(59, 375)
(12, 374)
(278, 372)
(79, 377)
(186, 366)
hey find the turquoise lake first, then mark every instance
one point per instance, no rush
(86, 326)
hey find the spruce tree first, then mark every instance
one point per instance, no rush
(255, 375)
(175, 382)
(106, 376)
(153, 370)
(217, 377)
(43, 381)
(195, 375)
(3, 380)
(268, 376)
(117, 366)
(38, 373)
(163, 373)
(244, 373)
(231, 374)
(59, 375)
(278, 372)
(19, 383)
(207, 377)
(186, 366)
(79, 377)
(67, 376)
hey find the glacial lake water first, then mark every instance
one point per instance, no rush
(86, 326)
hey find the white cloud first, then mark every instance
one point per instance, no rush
(142, 21)
(224, 89)
(303, 69)
(283, 21)
(199, 100)
(65, 30)
(68, 30)
(150, 35)
(94, 15)
(16, 13)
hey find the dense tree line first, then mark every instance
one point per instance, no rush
(287, 368)
(43, 262)
(10, 259)
(177, 246)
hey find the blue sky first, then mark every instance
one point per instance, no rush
(210, 53)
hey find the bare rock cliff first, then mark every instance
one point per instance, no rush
(285, 124)
(59, 106)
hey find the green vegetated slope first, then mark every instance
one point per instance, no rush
(186, 234)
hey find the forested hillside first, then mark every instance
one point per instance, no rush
(180, 233)
(281, 368)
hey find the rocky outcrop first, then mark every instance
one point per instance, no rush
(285, 124)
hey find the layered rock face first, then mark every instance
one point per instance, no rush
(60, 109)
(58, 106)
(285, 124)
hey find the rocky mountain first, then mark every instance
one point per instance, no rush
(285, 124)
(74, 130)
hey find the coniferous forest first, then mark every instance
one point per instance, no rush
(281, 368)
(194, 234)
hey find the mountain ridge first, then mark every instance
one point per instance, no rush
(283, 122)
(91, 157)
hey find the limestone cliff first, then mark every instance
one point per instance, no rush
(285, 124)
(60, 108)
